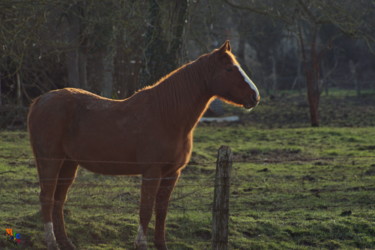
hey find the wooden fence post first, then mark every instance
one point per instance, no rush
(220, 209)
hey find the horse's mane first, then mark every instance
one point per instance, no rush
(189, 70)
(179, 87)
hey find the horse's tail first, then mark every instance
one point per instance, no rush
(45, 125)
(31, 109)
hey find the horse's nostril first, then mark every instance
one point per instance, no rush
(256, 98)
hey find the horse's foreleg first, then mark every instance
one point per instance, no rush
(161, 207)
(66, 178)
(150, 186)
(48, 171)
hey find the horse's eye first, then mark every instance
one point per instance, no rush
(229, 69)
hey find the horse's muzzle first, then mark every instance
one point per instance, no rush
(252, 103)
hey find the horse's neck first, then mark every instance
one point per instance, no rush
(186, 99)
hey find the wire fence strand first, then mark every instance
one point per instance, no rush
(260, 192)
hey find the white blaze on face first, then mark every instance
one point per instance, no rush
(248, 80)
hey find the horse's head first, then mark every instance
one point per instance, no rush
(230, 81)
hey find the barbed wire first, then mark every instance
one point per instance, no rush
(189, 163)
(233, 207)
(192, 162)
(85, 186)
(194, 192)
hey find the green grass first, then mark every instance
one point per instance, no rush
(296, 188)
(293, 187)
(290, 109)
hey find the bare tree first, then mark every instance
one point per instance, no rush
(164, 38)
(305, 19)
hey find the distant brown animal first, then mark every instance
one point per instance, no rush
(148, 134)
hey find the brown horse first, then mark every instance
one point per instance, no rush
(148, 134)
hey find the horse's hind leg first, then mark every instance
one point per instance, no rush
(66, 178)
(48, 170)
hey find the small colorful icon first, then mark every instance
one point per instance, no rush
(13, 236)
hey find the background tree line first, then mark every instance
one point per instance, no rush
(114, 47)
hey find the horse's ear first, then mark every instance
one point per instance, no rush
(225, 47)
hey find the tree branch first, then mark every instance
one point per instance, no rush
(307, 11)
(263, 12)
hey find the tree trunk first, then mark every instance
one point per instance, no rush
(164, 38)
(313, 82)
(107, 75)
(120, 81)
(1, 102)
(274, 73)
(75, 58)
(19, 91)
(311, 65)
(82, 67)
(313, 97)
(128, 59)
(353, 71)
(241, 51)
(72, 66)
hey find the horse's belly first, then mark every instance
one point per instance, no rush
(112, 168)
(109, 156)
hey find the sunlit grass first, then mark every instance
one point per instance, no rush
(295, 188)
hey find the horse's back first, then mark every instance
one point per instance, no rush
(53, 106)
(51, 115)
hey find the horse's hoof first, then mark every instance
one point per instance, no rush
(140, 246)
(66, 245)
(161, 247)
(52, 246)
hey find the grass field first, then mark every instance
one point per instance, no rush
(293, 187)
